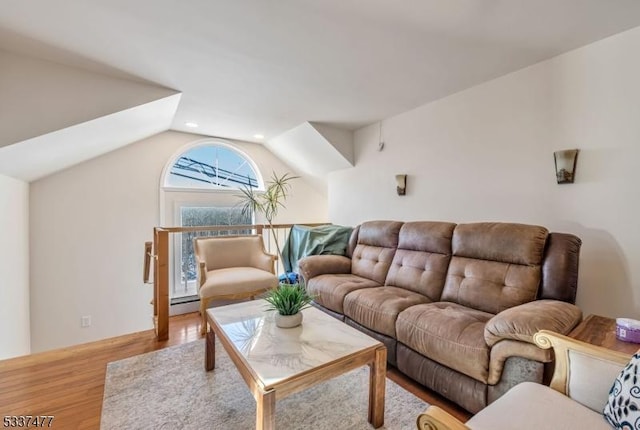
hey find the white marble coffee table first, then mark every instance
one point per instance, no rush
(277, 362)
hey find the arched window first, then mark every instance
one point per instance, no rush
(212, 165)
(200, 186)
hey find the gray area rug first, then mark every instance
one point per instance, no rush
(169, 389)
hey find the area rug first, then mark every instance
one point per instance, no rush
(170, 390)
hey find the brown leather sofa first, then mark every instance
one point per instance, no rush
(456, 305)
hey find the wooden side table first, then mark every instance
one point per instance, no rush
(601, 331)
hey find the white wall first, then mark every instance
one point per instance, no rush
(88, 227)
(14, 268)
(487, 154)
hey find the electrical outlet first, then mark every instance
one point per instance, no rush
(85, 321)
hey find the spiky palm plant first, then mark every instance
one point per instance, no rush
(268, 202)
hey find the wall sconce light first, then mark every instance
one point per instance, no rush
(565, 165)
(401, 182)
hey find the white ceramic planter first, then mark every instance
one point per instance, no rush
(288, 321)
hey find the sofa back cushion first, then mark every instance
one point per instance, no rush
(495, 266)
(373, 254)
(421, 260)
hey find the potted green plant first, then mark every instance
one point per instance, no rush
(268, 202)
(288, 300)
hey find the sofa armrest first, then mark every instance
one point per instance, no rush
(435, 418)
(524, 321)
(315, 265)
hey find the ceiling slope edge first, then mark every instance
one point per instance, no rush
(313, 150)
(39, 96)
(44, 155)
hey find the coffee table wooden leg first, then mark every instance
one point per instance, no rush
(377, 378)
(210, 350)
(266, 411)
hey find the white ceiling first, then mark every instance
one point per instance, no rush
(256, 66)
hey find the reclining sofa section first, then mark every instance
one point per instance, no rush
(456, 305)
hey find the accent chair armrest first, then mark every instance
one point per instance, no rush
(524, 321)
(435, 418)
(315, 265)
(582, 371)
(265, 261)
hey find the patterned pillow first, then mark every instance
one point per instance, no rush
(623, 408)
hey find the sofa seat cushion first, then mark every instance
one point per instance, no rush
(534, 406)
(448, 333)
(329, 290)
(378, 308)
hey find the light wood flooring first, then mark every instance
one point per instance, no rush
(68, 383)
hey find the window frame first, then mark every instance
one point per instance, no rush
(172, 198)
(166, 172)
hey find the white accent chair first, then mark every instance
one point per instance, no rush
(232, 267)
(575, 399)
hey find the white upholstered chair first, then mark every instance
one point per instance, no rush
(575, 399)
(232, 267)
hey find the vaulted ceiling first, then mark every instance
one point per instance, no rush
(251, 67)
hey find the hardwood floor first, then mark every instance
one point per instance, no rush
(68, 383)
